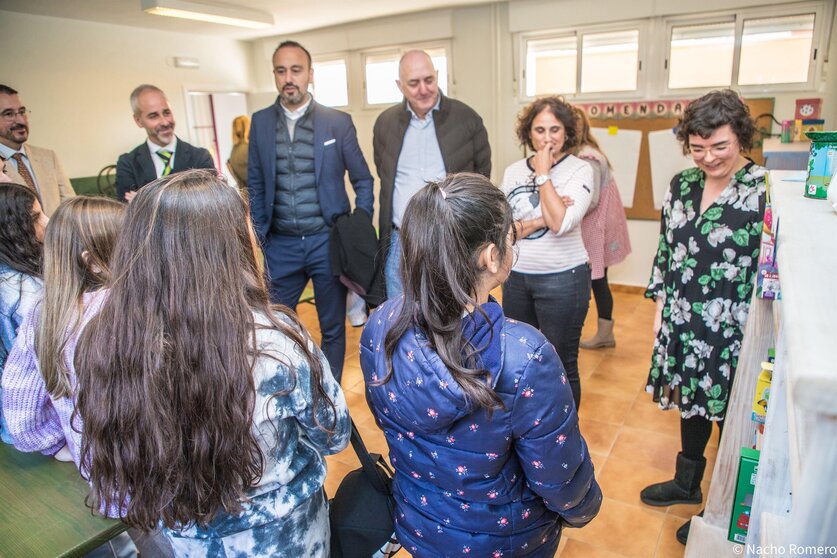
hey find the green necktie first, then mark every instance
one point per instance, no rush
(165, 155)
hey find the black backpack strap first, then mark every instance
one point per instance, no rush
(370, 463)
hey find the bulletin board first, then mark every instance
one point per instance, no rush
(638, 139)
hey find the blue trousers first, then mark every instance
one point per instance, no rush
(555, 303)
(291, 261)
(392, 269)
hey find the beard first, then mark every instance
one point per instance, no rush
(164, 130)
(291, 95)
(18, 133)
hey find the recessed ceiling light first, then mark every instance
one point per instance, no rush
(224, 14)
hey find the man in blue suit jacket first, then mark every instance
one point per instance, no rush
(299, 154)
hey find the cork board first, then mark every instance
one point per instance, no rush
(666, 153)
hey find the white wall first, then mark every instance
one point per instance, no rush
(76, 77)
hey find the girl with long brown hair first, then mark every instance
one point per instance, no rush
(205, 408)
(22, 226)
(39, 381)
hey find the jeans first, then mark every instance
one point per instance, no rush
(291, 261)
(392, 271)
(557, 304)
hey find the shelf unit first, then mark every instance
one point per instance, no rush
(795, 501)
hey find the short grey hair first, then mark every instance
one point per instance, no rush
(139, 90)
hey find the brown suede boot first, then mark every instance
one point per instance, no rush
(603, 338)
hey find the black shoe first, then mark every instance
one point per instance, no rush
(683, 489)
(683, 532)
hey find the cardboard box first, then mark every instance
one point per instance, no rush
(748, 466)
(822, 163)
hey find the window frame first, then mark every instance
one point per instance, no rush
(640, 25)
(332, 57)
(739, 16)
(398, 51)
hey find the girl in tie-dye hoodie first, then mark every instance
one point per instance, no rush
(205, 409)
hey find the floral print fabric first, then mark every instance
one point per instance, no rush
(704, 268)
(470, 484)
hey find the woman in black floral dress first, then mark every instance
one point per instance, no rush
(702, 281)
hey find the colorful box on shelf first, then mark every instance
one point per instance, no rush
(762, 396)
(822, 163)
(748, 466)
(795, 130)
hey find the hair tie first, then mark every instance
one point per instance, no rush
(444, 194)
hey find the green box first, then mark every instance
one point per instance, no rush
(822, 163)
(748, 466)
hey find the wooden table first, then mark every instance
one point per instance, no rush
(42, 511)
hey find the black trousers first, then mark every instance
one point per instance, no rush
(694, 436)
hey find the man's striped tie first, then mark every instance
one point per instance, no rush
(165, 155)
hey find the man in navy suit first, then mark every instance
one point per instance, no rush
(162, 153)
(299, 153)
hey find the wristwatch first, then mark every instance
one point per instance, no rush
(541, 179)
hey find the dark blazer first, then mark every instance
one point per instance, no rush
(135, 169)
(336, 151)
(462, 138)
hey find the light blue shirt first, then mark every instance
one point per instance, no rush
(6, 152)
(420, 161)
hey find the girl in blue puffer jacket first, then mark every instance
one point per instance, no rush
(476, 408)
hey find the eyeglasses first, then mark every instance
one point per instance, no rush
(9, 114)
(715, 150)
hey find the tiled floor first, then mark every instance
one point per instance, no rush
(631, 441)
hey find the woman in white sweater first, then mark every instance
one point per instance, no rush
(549, 286)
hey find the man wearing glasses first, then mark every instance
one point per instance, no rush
(35, 167)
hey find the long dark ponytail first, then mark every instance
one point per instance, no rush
(445, 227)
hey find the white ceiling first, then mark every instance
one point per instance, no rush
(290, 16)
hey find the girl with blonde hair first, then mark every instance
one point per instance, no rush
(39, 381)
(237, 163)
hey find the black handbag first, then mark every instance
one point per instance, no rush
(361, 512)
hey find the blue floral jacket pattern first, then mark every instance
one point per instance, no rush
(467, 483)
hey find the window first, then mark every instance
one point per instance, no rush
(551, 65)
(331, 87)
(701, 55)
(609, 61)
(381, 71)
(757, 47)
(776, 50)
